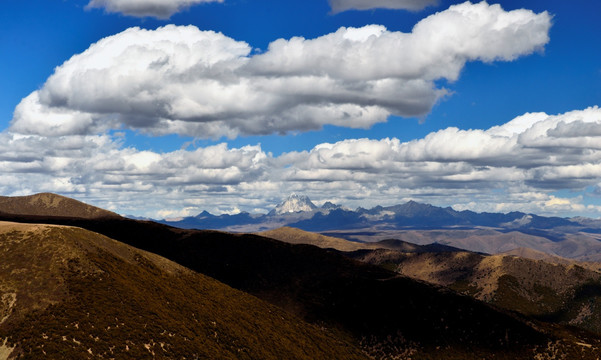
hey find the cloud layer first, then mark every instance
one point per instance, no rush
(519, 165)
(181, 80)
(344, 5)
(162, 9)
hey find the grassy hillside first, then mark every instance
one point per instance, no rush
(530, 282)
(69, 293)
(297, 236)
(390, 317)
(47, 204)
(565, 293)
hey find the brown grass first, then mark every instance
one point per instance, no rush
(81, 295)
(47, 204)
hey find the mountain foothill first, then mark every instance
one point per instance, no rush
(79, 282)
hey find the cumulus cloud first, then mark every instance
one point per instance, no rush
(533, 136)
(112, 176)
(343, 5)
(514, 166)
(178, 79)
(532, 154)
(162, 9)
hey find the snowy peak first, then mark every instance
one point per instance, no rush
(294, 203)
(330, 206)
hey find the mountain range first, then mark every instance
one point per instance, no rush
(107, 286)
(298, 211)
(576, 238)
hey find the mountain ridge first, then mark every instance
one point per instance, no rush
(49, 204)
(574, 238)
(387, 315)
(63, 305)
(551, 289)
(298, 236)
(408, 215)
(529, 282)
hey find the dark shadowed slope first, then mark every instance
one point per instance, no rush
(384, 314)
(555, 289)
(47, 204)
(389, 316)
(566, 293)
(68, 293)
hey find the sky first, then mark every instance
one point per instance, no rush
(162, 109)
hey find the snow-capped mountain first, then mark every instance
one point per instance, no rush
(294, 203)
(298, 211)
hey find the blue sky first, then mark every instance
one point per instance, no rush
(222, 149)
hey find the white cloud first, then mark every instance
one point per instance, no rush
(524, 156)
(438, 47)
(509, 167)
(162, 9)
(178, 79)
(205, 84)
(343, 5)
(99, 169)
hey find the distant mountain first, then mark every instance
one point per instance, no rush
(568, 243)
(205, 220)
(330, 206)
(48, 204)
(388, 316)
(294, 203)
(298, 211)
(68, 293)
(293, 209)
(413, 222)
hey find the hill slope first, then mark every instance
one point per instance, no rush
(72, 294)
(47, 204)
(523, 280)
(387, 315)
(297, 236)
(578, 246)
(566, 293)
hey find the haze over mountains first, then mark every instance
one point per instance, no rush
(298, 211)
(576, 238)
(360, 310)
